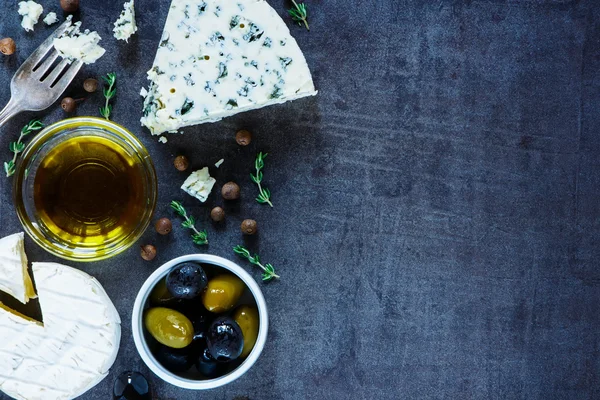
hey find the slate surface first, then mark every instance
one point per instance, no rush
(436, 219)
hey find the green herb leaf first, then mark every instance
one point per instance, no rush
(299, 14)
(18, 146)
(268, 269)
(264, 195)
(109, 93)
(198, 237)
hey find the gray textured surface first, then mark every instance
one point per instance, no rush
(436, 219)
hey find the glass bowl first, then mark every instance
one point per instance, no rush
(85, 189)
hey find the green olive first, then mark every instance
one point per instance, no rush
(169, 327)
(247, 318)
(160, 295)
(222, 293)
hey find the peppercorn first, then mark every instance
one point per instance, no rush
(243, 137)
(163, 226)
(217, 214)
(148, 252)
(230, 191)
(181, 163)
(69, 5)
(68, 104)
(249, 227)
(90, 85)
(7, 46)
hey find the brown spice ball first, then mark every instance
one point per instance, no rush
(181, 163)
(230, 191)
(148, 252)
(7, 46)
(249, 227)
(243, 137)
(90, 85)
(68, 104)
(69, 5)
(217, 214)
(163, 226)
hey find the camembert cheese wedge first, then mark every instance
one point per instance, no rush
(14, 277)
(218, 58)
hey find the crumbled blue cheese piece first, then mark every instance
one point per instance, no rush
(143, 92)
(218, 58)
(77, 45)
(51, 18)
(125, 26)
(162, 139)
(31, 11)
(199, 184)
(219, 163)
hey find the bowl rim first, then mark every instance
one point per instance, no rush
(48, 133)
(138, 326)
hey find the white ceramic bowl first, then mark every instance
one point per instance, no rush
(141, 303)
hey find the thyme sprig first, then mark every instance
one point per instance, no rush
(198, 237)
(298, 14)
(18, 146)
(264, 194)
(268, 269)
(109, 93)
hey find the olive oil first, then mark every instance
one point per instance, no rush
(88, 191)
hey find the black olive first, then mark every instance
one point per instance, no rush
(224, 339)
(131, 386)
(175, 360)
(207, 365)
(187, 281)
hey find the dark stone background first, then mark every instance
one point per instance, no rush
(437, 214)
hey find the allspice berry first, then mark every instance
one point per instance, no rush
(217, 214)
(181, 163)
(243, 137)
(230, 191)
(68, 104)
(148, 252)
(69, 5)
(163, 226)
(249, 227)
(7, 46)
(90, 85)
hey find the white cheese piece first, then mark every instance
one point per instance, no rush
(126, 26)
(218, 58)
(14, 277)
(143, 92)
(77, 45)
(51, 18)
(74, 348)
(199, 184)
(162, 139)
(219, 163)
(31, 11)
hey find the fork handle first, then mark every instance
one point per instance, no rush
(9, 111)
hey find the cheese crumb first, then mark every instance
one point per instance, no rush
(199, 184)
(162, 139)
(77, 45)
(143, 92)
(51, 18)
(219, 163)
(31, 11)
(125, 26)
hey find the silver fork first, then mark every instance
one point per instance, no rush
(36, 85)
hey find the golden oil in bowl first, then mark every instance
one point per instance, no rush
(85, 189)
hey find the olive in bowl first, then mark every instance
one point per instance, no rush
(212, 338)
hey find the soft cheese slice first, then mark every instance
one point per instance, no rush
(14, 277)
(199, 184)
(126, 26)
(77, 45)
(218, 58)
(74, 348)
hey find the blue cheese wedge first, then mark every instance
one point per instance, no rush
(51, 18)
(218, 58)
(77, 45)
(199, 184)
(125, 26)
(31, 11)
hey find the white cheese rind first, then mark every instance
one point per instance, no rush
(51, 18)
(126, 26)
(199, 184)
(77, 45)
(74, 349)
(31, 11)
(218, 58)
(14, 276)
